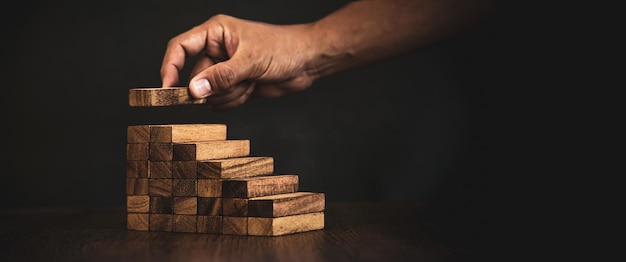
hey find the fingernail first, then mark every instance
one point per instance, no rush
(201, 87)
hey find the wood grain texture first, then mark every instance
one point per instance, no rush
(185, 205)
(161, 96)
(185, 223)
(137, 151)
(182, 133)
(185, 187)
(210, 187)
(234, 225)
(137, 186)
(161, 205)
(137, 204)
(138, 134)
(137, 168)
(160, 152)
(160, 169)
(259, 186)
(209, 150)
(209, 224)
(262, 226)
(184, 169)
(135, 221)
(235, 207)
(236, 167)
(161, 222)
(160, 187)
(286, 204)
(209, 206)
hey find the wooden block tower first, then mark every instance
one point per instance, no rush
(191, 178)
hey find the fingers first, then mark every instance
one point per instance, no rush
(219, 77)
(236, 97)
(273, 90)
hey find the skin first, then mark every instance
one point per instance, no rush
(240, 58)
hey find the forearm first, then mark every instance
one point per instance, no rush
(367, 31)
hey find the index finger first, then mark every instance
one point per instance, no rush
(187, 44)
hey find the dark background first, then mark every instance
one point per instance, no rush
(413, 127)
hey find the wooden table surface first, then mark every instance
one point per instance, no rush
(353, 232)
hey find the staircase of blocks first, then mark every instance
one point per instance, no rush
(191, 178)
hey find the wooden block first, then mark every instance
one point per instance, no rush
(209, 187)
(137, 168)
(137, 204)
(160, 169)
(138, 151)
(259, 186)
(161, 205)
(235, 225)
(181, 133)
(160, 152)
(161, 222)
(138, 134)
(136, 221)
(235, 207)
(161, 96)
(137, 186)
(236, 167)
(185, 223)
(286, 204)
(209, 206)
(208, 150)
(184, 169)
(160, 187)
(185, 187)
(185, 205)
(263, 226)
(209, 224)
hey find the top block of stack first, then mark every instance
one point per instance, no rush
(161, 96)
(182, 133)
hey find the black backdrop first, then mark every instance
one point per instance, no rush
(410, 127)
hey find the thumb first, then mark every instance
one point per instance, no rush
(218, 77)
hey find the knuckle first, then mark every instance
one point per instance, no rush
(224, 76)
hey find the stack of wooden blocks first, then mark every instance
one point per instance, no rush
(191, 178)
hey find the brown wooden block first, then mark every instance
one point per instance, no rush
(209, 224)
(161, 205)
(259, 186)
(138, 151)
(235, 225)
(184, 169)
(160, 152)
(160, 169)
(136, 186)
(185, 187)
(137, 168)
(208, 150)
(286, 204)
(138, 134)
(160, 187)
(236, 167)
(235, 207)
(135, 221)
(161, 222)
(185, 205)
(161, 96)
(185, 223)
(209, 206)
(181, 133)
(210, 187)
(263, 226)
(137, 204)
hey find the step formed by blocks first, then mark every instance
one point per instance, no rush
(190, 178)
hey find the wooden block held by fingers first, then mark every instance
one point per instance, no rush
(137, 168)
(135, 221)
(235, 207)
(286, 204)
(137, 204)
(160, 169)
(259, 186)
(161, 96)
(185, 223)
(137, 186)
(209, 187)
(209, 206)
(138, 134)
(209, 224)
(138, 151)
(161, 205)
(182, 133)
(263, 226)
(236, 167)
(161, 222)
(185, 205)
(235, 225)
(208, 150)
